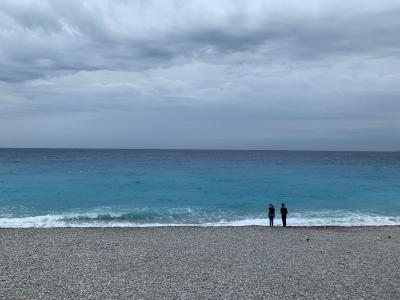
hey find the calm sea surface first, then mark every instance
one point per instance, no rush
(51, 188)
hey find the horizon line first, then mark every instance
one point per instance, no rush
(188, 149)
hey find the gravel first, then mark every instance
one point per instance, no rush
(201, 263)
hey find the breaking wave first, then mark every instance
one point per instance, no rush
(193, 217)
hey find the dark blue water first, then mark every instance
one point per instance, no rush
(56, 187)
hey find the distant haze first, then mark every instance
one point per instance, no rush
(200, 74)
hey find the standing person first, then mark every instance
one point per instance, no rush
(284, 213)
(271, 215)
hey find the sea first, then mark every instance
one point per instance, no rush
(144, 188)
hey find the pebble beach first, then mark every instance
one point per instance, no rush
(251, 262)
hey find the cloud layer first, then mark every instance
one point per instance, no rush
(196, 74)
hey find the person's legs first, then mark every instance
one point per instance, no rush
(271, 222)
(284, 221)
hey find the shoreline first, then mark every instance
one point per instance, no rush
(189, 226)
(188, 218)
(249, 262)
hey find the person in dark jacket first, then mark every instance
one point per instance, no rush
(271, 215)
(284, 213)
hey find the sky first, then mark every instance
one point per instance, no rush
(295, 75)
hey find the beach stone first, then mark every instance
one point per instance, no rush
(200, 263)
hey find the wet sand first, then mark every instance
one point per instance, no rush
(200, 263)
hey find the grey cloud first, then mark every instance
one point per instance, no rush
(217, 74)
(34, 16)
(71, 36)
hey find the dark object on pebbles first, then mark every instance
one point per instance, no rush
(307, 240)
(389, 237)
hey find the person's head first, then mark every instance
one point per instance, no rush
(270, 205)
(283, 204)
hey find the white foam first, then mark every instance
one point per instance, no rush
(328, 218)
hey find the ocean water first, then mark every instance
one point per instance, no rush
(105, 188)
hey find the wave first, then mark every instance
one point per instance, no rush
(193, 217)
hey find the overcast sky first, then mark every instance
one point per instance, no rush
(200, 74)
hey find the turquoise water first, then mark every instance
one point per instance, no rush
(60, 187)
